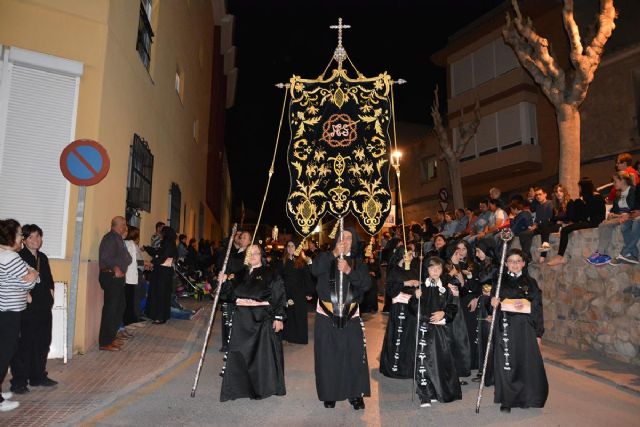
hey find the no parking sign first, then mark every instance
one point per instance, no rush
(84, 162)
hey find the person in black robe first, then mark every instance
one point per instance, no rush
(520, 377)
(341, 366)
(254, 362)
(436, 375)
(235, 263)
(370, 299)
(439, 247)
(457, 328)
(485, 271)
(398, 347)
(469, 293)
(298, 286)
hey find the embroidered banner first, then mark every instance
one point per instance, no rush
(338, 155)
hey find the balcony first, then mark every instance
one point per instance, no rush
(516, 160)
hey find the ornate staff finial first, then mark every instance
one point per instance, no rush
(340, 53)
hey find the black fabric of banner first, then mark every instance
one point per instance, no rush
(339, 151)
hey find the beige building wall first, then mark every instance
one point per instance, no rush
(119, 97)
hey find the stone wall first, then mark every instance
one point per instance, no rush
(589, 307)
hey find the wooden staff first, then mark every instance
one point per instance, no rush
(213, 312)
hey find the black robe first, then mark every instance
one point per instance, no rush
(469, 292)
(254, 366)
(436, 375)
(398, 347)
(520, 377)
(298, 285)
(341, 366)
(370, 299)
(460, 347)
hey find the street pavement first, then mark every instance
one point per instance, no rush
(149, 384)
(575, 398)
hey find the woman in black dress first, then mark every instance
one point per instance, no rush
(298, 287)
(162, 277)
(398, 347)
(254, 366)
(436, 375)
(520, 377)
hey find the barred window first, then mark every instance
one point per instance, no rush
(140, 175)
(145, 33)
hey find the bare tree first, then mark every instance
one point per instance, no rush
(565, 90)
(453, 150)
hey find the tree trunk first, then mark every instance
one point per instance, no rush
(456, 183)
(569, 132)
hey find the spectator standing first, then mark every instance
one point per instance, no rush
(29, 364)
(16, 279)
(162, 277)
(114, 259)
(134, 290)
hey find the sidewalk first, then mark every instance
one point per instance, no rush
(622, 375)
(98, 378)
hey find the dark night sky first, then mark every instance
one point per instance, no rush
(278, 38)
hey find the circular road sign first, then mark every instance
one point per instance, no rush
(84, 162)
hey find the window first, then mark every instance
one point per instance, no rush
(175, 202)
(145, 33)
(486, 63)
(140, 176)
(429, 168)
(38, 102)
(505, 129)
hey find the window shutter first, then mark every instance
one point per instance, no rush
(40, 122)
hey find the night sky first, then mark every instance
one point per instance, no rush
(278, 38)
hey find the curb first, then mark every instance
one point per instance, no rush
(592, 375)
(190, 344)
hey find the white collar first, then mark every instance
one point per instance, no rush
(625, 192)
(515, 274)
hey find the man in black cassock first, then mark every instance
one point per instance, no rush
(341, 366)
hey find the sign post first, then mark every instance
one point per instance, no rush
(83, 163)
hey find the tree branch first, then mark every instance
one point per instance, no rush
(534, 53)
(440, 130)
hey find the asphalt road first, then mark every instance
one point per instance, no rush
(574, 399)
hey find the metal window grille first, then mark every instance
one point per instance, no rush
(145, 33)
(140, 175)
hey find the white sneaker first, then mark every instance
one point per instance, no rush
(425, 405)
(545, 247)
(8, 405)
(7, 395)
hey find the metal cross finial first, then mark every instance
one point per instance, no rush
(340, 54)
(340, 27)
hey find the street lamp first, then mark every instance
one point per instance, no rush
(395, 159)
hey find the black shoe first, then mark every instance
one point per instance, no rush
(46, 382)
(21, 389)
(224, 349)
(505, 409)
(476, 379)
(330, 404)
(463, 382)
(357, 403)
